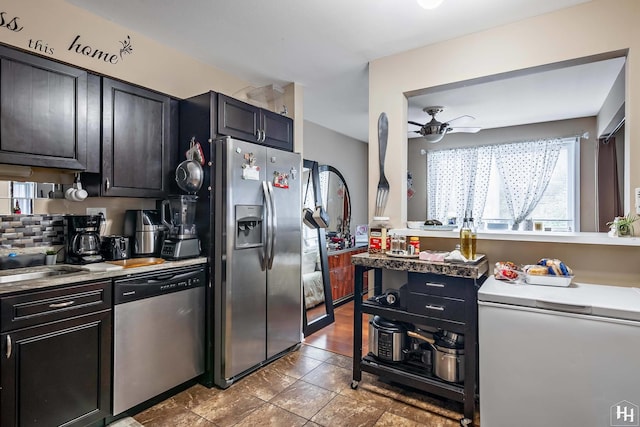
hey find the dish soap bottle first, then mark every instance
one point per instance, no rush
(465, 238)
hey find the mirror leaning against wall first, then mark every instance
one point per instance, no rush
(318, 311)
(336, 200)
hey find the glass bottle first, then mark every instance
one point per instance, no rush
(465, 238)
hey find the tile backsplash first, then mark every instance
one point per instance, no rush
(25, 231)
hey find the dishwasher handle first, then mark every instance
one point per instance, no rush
(160, 278)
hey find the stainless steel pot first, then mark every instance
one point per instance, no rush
(448, 363)
(189, 176)
(387, 339)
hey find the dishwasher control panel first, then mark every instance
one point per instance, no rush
(149, 285)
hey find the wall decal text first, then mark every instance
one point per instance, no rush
(40, 46)
(10, 24)
(84, 49)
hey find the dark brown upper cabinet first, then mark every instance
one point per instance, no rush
(250, 123)
(43, 107)
(138, 134)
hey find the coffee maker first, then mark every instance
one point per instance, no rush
(82, 239)
(182, 239)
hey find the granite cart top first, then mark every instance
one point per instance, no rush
(75, 274)
(469, 270)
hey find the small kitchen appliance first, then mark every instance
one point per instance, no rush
(387, 339)
(82, 239)
(182, 239)
(145, 232)
(115, 248)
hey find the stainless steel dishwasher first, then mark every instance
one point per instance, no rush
(158, 334)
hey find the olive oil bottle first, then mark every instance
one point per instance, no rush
(466, 240)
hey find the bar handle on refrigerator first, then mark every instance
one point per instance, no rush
(273, 226)
(265, 228)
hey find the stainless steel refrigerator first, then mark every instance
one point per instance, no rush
(256, 256)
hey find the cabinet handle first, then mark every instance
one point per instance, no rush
(8, 346)
(258, 135)
(107, 185)
(264, 135)
(434, 307)
(61, 304)
(435, 285)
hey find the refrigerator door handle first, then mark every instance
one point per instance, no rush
(273, 226)
(266, 234)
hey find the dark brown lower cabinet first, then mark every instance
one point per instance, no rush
(57, 373)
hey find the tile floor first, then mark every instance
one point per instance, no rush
(309, 387)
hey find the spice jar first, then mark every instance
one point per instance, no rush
(414, 242)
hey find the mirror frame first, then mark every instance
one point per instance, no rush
(329, 168)
(328, 318)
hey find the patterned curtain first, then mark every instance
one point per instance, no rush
(457, 181)
(525, 169)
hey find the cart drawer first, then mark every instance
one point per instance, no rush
(438, 307)
(439, 285)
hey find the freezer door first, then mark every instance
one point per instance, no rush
(241, 281)
(545, 368)
(284, 290)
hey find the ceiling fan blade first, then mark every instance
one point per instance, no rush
(461, 117)
(464, 130)
(415, 123)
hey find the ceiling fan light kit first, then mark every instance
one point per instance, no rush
(434, 131)
(430, 4)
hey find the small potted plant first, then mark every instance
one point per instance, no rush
(50, 257)
(623, 225)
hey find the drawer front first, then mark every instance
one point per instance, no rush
(38, 307)
(438, 307)
(439, 285)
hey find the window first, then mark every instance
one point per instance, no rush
(22, 195)
(486, 179)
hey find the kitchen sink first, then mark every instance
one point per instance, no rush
(36, 273)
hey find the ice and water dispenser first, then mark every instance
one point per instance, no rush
(248, 226)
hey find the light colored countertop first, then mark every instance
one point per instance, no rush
(82, 275)
(529, 236)
(467, 270)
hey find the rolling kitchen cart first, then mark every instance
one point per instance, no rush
(441, 295)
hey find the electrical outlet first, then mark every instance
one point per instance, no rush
(98, 211)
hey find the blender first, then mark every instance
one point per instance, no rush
(182, 239)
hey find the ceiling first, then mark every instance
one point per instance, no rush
(563, 93)
(323, 45)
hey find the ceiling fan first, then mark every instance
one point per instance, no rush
(434, 130)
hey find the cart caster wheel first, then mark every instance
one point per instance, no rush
(354, 385)
(465, 422)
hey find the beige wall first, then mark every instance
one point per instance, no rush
(589, 29)
(593, 28)
(346, 154)
(416, 207)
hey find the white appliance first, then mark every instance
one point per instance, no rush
(554, 356)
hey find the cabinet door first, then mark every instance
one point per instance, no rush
(43, 112)
(58, 373)
(278, 130)
(334, 277)
(136, 141)
(238, 119)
